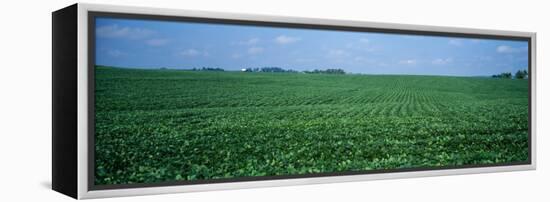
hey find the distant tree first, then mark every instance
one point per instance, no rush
(335, 71)
(505, 75)
(521, 74)
(272, 69)
(292, 71)
(327, 71)
(211, 69)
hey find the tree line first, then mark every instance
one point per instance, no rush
(278, 69)
(327, 71)
(215, 69)
(272, 70)
(520, 74)
(269, 69)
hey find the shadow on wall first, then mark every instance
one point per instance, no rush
(46, 184)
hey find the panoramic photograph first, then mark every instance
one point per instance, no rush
(192, 101)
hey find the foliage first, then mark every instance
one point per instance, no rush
(165, 125)
(521, 74)
(334, 71)
(505, 75)
(215, 69)
(270, 69)
(327, 71)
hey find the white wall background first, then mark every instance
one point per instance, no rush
(25, 98)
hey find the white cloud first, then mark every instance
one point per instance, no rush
(304, 60)
(364, 59)
(115, 31)
(359, 58)
(249, 42)
(236, 55)
(116, 53)
(363, 44)
(485, 58)
(249, 52)
(476, 41)
(337, 53)
(193, 53)
(157, 42)
(286, 39)
(509, 49)
(408, 62)
(504, 49)
(255, 50)
(441, 61)
(455, 42)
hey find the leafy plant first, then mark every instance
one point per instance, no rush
(165, 125)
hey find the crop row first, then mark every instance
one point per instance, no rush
(154, 126)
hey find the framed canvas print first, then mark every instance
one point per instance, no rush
(151, 101)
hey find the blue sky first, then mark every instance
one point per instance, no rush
(182, 45)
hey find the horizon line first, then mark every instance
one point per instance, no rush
(295, 71)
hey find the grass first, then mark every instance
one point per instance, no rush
(165, 125)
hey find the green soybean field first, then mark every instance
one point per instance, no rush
(179, 125)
